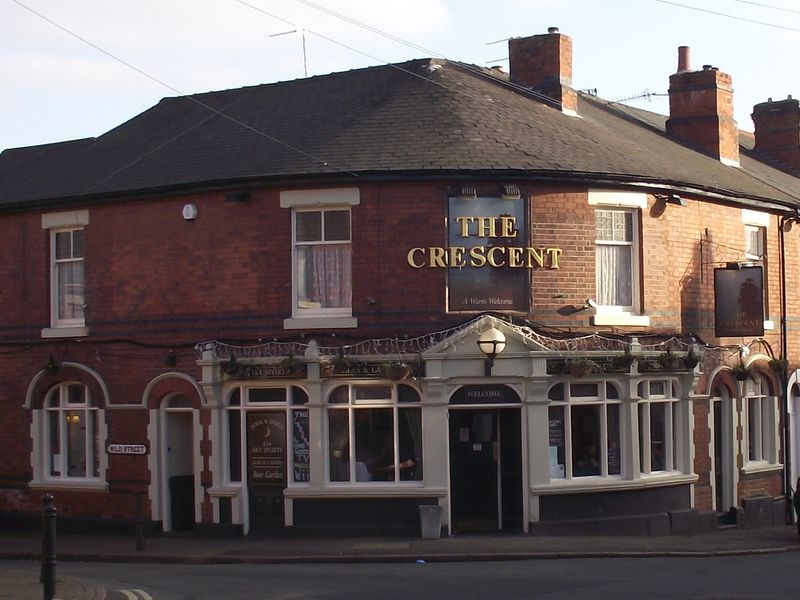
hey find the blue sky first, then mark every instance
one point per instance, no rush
(54, 86)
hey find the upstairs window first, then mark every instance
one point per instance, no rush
(755, 251)
(322, 253)
(615, 255)
(756, 226)
(618, 243)
(322, 249)
(67, 273)
(68, 277)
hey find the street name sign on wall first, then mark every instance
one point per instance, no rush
(127, 449)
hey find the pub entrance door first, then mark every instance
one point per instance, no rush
(266, 469)
(486, 469)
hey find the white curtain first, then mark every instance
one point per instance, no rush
(325, 275)
(614, 279)
(70, 290)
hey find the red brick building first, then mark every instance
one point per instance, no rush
(323, 303)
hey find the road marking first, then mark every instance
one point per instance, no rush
(135, 594)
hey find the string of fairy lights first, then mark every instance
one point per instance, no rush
(405, 348)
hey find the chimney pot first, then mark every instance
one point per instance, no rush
(552, 30)
(707, 67)
(683, 59)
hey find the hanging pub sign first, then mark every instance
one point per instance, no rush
(266, 445)
(739, 301)
(488, 259)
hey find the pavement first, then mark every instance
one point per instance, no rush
(23, 583)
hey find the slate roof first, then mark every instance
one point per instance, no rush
(422, 117)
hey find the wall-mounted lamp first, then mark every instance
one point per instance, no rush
(789, 221)
(492, 342)
(468, 192)
(672, 199)
(677, 200)
(510, 192)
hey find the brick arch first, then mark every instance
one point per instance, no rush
(172, 383)
(723, 376)
(43, 382)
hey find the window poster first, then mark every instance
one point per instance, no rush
(556, 442)
(266, 447)
(301, 470)
(488, 260)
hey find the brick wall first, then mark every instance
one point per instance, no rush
(157, 284)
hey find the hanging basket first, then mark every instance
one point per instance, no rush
(581, 367)
(397, 371)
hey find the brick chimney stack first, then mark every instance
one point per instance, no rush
(701, 110)
(778, 132)
(544, 64)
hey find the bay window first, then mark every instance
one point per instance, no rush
(658, 427)
(374, 433)
(584, 430)
(288, 405)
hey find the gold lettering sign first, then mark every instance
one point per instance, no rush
(502, 227)
(515, 257)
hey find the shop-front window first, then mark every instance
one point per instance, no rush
(761, 420)
(72, 433)
(584, 430)
(374, 433)
(289, 400)
(658, 418)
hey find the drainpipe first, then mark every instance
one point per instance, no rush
(784, 397)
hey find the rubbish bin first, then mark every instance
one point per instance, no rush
(430, 516)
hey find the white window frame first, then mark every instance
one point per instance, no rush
(601, 401)
(391, 401)
(633, 203)
(232, 411)
(760, 423)
(55, 223)
(57, 403)
(758, 222)
(318, 200)
(667, 398)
